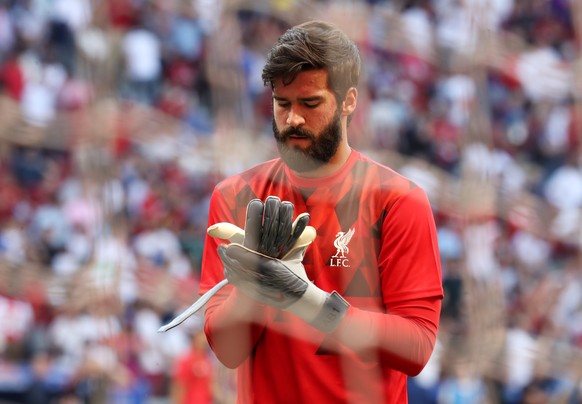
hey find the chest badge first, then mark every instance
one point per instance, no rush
(342, 239)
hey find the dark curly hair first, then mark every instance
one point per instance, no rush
(310, 46)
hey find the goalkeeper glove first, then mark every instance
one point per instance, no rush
(268, 228)
(280, 280)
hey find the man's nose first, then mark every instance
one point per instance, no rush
(294, 119)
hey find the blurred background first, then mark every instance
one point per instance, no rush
(118, 117)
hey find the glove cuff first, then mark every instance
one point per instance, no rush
(331, 313)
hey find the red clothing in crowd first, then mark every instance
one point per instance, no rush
(12, 78)
(194, 373)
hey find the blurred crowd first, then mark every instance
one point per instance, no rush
(152, 102)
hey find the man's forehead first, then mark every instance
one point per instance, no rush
(306, 82)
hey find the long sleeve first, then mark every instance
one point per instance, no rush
(233, 326)
(401, 343)
(403, 336)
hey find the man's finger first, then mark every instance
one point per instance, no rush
(254, 224)
(270, 225)
(298, 227)
(285, 229)
(226, 231)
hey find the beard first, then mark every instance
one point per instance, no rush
(322, 148)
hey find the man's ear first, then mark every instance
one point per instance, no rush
(350, 101)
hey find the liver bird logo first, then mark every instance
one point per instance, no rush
(341, 243)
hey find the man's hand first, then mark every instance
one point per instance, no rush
(269, 228)
(275, 235)
(268, 266)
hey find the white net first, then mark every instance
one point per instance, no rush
(112, 138)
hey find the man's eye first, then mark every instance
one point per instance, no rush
(283, 104)
(312, 105)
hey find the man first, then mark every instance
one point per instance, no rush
(193, 379)
(372, 314)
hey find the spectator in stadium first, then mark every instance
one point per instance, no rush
(361, 310)
(193, 379)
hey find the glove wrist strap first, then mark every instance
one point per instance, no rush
(331, 313)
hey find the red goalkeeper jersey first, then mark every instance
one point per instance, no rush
(376, 245)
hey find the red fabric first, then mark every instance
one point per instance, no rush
(12, 78)
(194, 372)
(121, 13)
(508, 73)
(446, 138)
(182, 73)
(392, 266)
(11, 195)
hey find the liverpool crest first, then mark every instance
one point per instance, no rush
(339, 259)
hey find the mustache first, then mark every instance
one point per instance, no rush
(285, 134)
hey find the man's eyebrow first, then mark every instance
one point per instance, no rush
(302, 99)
